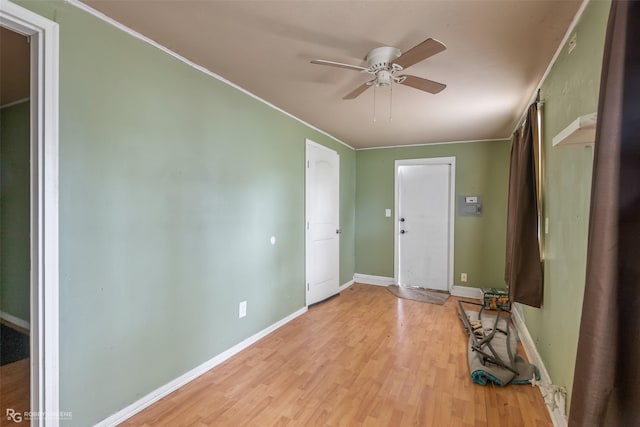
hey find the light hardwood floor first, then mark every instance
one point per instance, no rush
(14, 389)
(362, 358)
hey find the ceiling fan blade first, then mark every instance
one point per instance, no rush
(355, 93)
(424, 50)
(423, 84)
(338, 64)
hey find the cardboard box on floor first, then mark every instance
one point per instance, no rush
(494, 298)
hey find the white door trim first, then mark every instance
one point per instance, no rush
(44, 208)
(307, 236)
(451, 161)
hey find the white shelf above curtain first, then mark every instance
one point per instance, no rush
(581, 131)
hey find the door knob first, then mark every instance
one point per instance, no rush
(401, 219)
(338, 231)
(402, 232)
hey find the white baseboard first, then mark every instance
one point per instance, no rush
(466, 292)
(368, 279)
(345, 286)
(557, 415)
(187, 377)
(15, 320)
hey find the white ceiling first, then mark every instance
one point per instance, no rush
(497, 52)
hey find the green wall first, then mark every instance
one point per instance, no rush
(171, 185)
(482, 168)
(14, 211)
(570, 90)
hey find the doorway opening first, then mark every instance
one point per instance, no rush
(42, 199)
(15, 224)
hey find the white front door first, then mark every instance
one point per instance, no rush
(323, 222)
(424, 223)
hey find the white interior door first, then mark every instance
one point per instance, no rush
(424, 232)
(323, 222)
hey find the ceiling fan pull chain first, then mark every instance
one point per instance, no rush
(375, 89)
(391, 101)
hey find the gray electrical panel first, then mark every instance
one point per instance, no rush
(470, 205)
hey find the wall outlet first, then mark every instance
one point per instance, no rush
(242, 310)
(463, 277)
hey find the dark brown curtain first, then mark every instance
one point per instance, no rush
(523, 269)
(606, 387)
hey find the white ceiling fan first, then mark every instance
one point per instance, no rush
(384, 63)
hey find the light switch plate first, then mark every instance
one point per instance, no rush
(242, 309)
(387, 213)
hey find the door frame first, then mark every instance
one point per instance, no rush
(307, 236)
(44, 326)
(451, 162)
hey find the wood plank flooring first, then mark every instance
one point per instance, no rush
(365, 358)
(14, 389)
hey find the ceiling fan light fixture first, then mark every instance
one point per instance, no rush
(383, 78)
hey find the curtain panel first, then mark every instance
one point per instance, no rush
(606, 387)
(523, 268)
